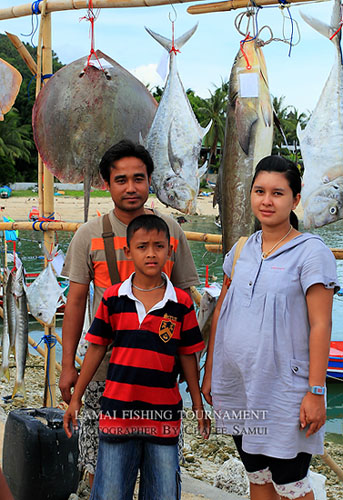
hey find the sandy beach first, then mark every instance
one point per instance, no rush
(70, 209)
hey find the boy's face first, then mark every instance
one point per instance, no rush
(149, 251)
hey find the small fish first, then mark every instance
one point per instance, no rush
(248, 139)
(22, 328)
(207, 306)
(4, 370)
(11, 309)
(76, 120)
(10, 81)
(321, 140)
(175, 137)
(44, 296)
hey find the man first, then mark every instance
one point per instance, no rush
(126, 169)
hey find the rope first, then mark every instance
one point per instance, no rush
(34, 20)
(50, 341)
(91, 17)
(173, 49)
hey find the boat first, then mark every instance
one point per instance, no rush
(335, 367)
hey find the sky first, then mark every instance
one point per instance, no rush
(206, 59)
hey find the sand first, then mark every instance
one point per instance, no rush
(68, 208)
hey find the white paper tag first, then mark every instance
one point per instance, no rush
(248, 84)
(213, 290)
(96, 63)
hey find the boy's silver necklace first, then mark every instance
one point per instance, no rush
(265, 254)
(149, 289)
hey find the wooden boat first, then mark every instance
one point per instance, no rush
(335, 368)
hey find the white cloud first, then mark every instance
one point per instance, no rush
(148, 75)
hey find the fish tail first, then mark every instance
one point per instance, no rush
(5, 372)
(19, 387)
(330, 31)
(167, 43)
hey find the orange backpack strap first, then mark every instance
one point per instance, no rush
(240, 244)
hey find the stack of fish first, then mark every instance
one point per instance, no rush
(174, 140)
(15, 324)
(321, 141)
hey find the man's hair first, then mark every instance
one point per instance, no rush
(149, 222)
(121, 150)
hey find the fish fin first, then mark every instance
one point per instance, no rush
(202, 170)
(205, 130)
(267, 112)
(5, 373)
(246, 116)
(323, 28)
(19, 387)
(167, 43)
(140, 139)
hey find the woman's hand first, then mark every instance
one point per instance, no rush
(204, 422)
(312, 413)
(206, 386)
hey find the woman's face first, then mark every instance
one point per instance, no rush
(272, 199)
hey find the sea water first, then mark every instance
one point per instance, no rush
(30, 250)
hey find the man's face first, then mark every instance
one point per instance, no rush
(129, 184)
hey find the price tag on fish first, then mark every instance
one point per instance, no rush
(248, 84)
(100, 63)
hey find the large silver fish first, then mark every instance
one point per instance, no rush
(22, 328)
(77, 118)
(174, 140)
(248, 139)
(321, 142)
(10, 81)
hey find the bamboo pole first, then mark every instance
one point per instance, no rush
(41, 226)
(211, 238)
(23, 52)
(236, 4)
(332, 464)
(59, 5)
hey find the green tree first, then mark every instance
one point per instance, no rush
(25, 166)
(214, 108)
(15, 144)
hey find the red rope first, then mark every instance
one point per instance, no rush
(91, 17)
(173, 49)
(336, 32)
(244, 54)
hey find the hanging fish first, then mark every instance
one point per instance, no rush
(45, 295)
(80, 113)
(174, 140)
(248, 139)
(21, 327)
(321, 140)
(5, 328)
(10, 81)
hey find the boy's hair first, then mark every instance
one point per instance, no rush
(149, 222)
(123, 149)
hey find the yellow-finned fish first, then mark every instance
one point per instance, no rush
(248, 139)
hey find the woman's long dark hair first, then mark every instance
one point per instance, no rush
(286, 167)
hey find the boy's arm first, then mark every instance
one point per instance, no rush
(190, 370)
(93, 358)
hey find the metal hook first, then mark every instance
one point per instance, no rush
(175, 14)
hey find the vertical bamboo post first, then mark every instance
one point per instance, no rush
(48, 209)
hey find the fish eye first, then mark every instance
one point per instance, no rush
(171, 197)
(333, 210)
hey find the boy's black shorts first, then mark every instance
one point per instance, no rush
(283, 470)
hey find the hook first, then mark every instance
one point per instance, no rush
(175, 14)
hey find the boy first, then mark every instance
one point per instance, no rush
(149, 322)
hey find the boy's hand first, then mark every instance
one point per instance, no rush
(204, 422)
(70, 417)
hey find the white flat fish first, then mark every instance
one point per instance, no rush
(321, 140)
(10, 81)
(175, 137)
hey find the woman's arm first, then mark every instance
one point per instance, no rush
(319, 309)
(93, 358)
(206, 384)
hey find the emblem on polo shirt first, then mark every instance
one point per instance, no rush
(167, 327)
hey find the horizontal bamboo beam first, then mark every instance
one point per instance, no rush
(236, 4)
(210, 238)
(59, 5)
(40, 226)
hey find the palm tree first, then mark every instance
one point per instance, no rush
(15, 144)
(214, 108)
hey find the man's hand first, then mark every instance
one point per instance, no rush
(68, 379)
(312, 413)
(70, 417)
